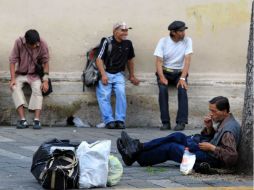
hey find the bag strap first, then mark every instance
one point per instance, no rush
(70, 167)
(31, 56)
(27, 50)
(109, 51)
(109, 46)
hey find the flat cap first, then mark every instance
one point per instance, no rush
(177, 26)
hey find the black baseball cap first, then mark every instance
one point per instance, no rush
(177, 26)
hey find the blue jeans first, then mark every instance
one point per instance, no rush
(116, 82)
(172, 147)
(182, 113)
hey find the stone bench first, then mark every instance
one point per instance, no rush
(143, 109)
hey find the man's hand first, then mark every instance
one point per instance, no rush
(104, 79)
(205, 146)
(163, 80)
(208, 121)
(45, 86)
(182, 83)
(12, 83)
(134, 80)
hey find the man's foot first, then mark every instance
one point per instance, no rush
(22, 124)
(179, 127)
(120, 125)
(165, 126)
(205, 168)
(110, 125)
(122, 150)
(133, 146)
(37, 124)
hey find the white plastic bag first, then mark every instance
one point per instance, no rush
(79, 123)
(115, 171)
(93, 163)
(188, 162)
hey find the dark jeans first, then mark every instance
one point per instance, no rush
(172, 147)
(182, 113)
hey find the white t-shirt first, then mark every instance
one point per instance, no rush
(172, 52)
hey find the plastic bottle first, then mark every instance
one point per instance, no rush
(188, 162)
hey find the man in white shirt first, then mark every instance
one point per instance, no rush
(173, 56)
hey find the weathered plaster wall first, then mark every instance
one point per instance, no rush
(219, 30)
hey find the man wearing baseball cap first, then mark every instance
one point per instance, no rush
(173, 56)
(111, 66)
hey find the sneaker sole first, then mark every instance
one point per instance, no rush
(36, 128)
(22, 127)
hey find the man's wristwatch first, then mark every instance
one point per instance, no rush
(182, 78)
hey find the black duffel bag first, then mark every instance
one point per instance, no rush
(43, 155)
(61, 171)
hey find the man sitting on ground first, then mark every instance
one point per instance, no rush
(215, 147)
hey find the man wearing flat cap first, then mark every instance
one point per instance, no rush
(111, 65)
(173, 56)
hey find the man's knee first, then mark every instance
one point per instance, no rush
(120, 91)
(179, 136)
(163, 89)
(37, 92)
(182, 92)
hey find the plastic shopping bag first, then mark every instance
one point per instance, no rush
(115, 171)
(93, 163)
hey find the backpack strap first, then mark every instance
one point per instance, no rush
(109, 46)
(109, 50)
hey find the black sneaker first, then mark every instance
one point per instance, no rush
(179, 127)
(205, 168)
(111, 125)
(128, 161)
(37, 124)
(120, 125)
(165, 126)
(133, 146)
(22, 124)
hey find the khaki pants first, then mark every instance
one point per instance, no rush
(18, 94)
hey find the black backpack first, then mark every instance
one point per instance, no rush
(91, 75)
(43, 156)
(61, 171)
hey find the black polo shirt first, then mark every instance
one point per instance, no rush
(120, 54)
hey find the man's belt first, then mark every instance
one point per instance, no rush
(171, 70)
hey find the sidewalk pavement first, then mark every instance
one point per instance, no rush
(18, 145)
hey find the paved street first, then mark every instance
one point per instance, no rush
(17, 148)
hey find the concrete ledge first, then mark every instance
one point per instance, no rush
(143, 110)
